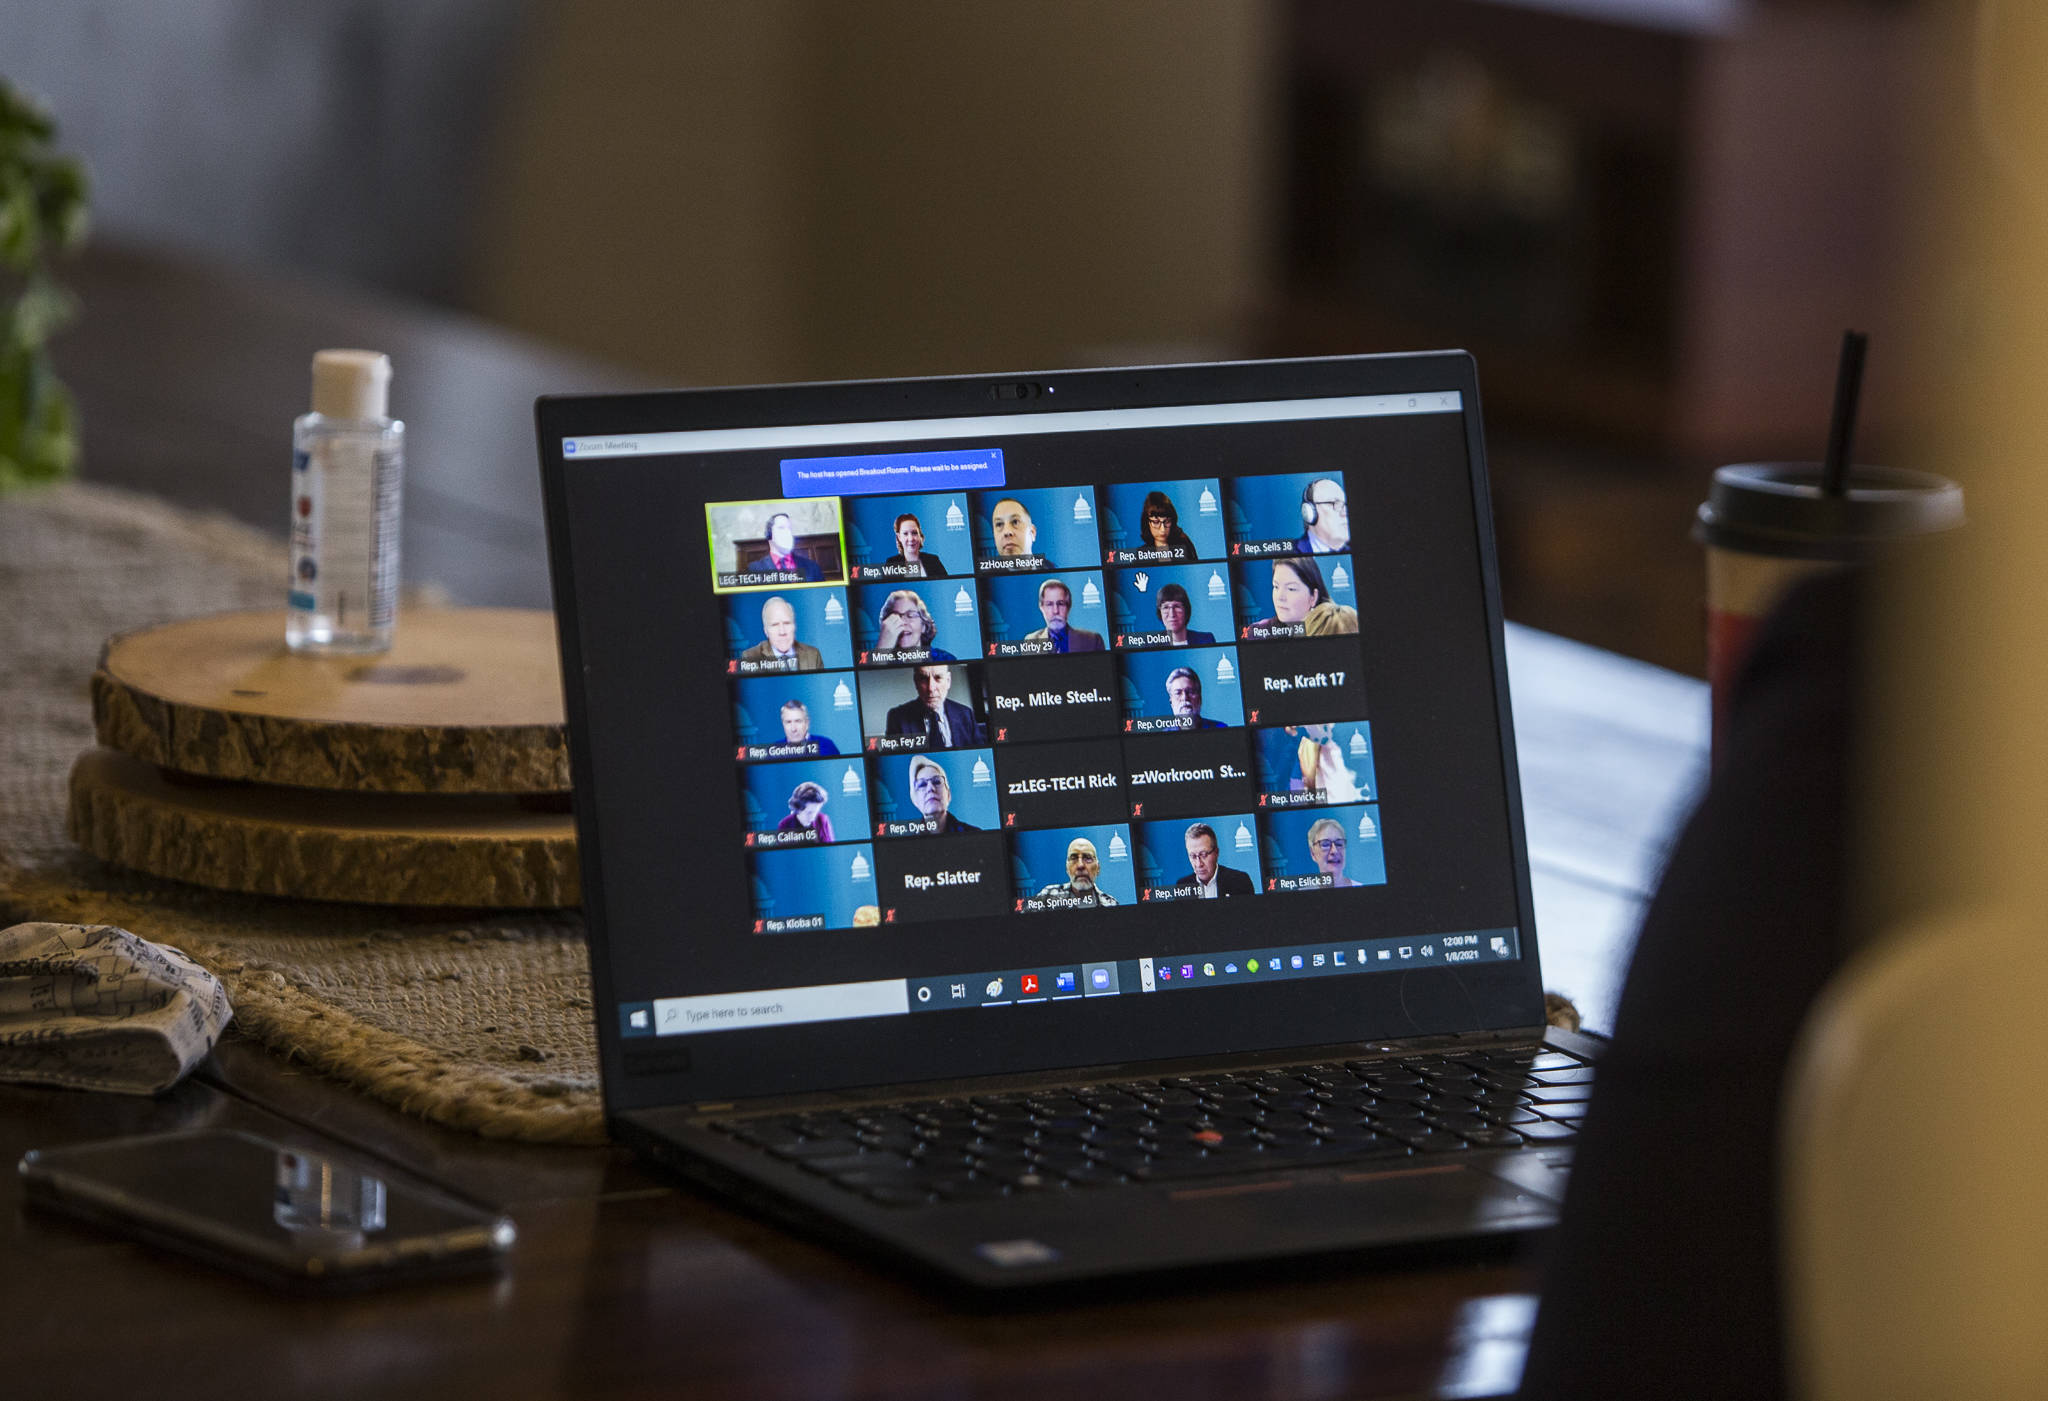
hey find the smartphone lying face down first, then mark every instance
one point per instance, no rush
(303, 1218)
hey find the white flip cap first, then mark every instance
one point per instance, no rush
(353, 384)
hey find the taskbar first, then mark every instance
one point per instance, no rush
(1023, 987)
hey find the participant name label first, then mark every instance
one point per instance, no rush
(749, 577)
(1315, 882)
(1303, 681)
(1165, 724)
(940, 878)
(1092, 696)
(1036, 904)
(802, 749)
(1311, 798)
(1061, 783)
(747, 667)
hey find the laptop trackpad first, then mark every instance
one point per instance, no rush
(1540, 1170)
(1405, 1202)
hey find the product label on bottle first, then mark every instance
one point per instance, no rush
(344, 538)
(389, 471)
(305, 535)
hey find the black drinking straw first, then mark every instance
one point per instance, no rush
(1834, 479)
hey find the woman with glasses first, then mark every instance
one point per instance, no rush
(1162, 536)
(905, 623)
(1174, 612)
(1326, 844)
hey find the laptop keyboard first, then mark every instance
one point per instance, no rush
(1184, 1127)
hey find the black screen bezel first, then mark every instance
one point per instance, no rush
(1477, 998)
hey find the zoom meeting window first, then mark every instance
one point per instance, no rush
(1017, 700)
(889, 709)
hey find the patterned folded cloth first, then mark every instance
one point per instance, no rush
(92, 1007)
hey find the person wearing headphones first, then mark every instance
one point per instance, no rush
(1325, 518)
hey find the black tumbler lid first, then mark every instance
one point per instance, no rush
(1778, 508)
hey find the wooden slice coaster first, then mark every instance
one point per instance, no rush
(365, 848)
(468, 700)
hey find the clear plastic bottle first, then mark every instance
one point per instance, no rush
(348, 469)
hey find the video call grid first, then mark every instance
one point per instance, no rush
(914, 649)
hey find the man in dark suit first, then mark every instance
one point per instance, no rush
(910, 548)
(949, 724)
(1055, 599)
(779, 649)
(1206, 875)
(782, 557)
(1326, 514)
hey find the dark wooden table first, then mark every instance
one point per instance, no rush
(188, 378)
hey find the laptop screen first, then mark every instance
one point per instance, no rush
(931, 746)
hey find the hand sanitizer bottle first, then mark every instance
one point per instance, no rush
(348, 465)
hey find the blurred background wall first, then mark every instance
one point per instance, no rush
(1650, 219)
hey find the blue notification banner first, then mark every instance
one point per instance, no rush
(875, 473)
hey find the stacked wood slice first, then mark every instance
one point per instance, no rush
(436, 773)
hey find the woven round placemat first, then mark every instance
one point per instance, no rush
(481, 1024)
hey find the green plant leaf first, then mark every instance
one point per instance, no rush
(21, 223)
(64, 194)
(24, 118)
(43, 210)
(41, 308)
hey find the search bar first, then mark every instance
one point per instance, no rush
(737, 1011)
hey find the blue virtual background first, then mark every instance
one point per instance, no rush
(1268, 508)
(1134, 606)
(835, 712)
(833, 881)
(1198, 503)
(1012, 603)
(765, 790)
(1145, 673)
(1065, 517)
(1255, 585)
(821, 620)
(943, 517)
(971, 773)
(1284, 841)
(1039, 859)
(1163, 848)
(950, 602)
(1279, 757)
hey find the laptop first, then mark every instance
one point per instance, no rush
(1044, 828)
